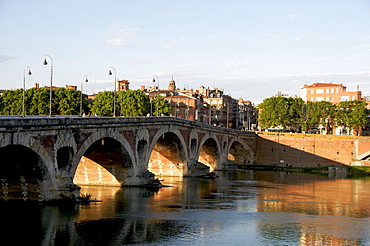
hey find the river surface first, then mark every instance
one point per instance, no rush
(238, 208)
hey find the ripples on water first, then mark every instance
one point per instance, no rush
(238, 208)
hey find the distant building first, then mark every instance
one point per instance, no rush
(334, 93)
(185, 104)
(224, 108)
(122, 85)
(72, 87)
(247, 115)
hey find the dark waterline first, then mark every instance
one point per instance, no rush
(238, 208)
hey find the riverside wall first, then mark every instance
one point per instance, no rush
(308, 150)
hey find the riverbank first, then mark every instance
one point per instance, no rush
(351, 170)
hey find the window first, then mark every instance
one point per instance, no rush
(318, 99)
(327, 90)
(319, 91)
(328, 99)
(344, 98)
(312, 91)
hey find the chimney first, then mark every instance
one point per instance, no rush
(142, 88)
(36, 85)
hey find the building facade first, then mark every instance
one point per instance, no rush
(334, 93)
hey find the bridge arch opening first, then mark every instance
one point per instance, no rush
(168, 156)
(239, 154)
(105, 163)
(21, 171)
(209, 154)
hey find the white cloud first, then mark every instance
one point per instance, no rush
(146, 61)
(174, 42)
(224, 34)
(4, 58)
(293, 16)
(236, 64)
(119, 35)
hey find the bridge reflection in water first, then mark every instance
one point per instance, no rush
(238, 208)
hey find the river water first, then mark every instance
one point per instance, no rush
(238, 208)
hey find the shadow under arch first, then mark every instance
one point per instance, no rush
(22, 173)
(168, 157)
(240, 154)
(105, 163)
(209, 154)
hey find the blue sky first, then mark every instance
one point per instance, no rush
(252, 49)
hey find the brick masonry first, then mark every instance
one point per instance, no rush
(310, 150)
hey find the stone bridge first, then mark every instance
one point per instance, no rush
(46, 158)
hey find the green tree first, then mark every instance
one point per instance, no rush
(164, 107)
(1, 105)
(102, 105)
(295, 112)
(320, 113)
(66, 101)
(133, 103)
(40, 102)
(281, 111)
(12, 102)
(269, 115)
(352, 114)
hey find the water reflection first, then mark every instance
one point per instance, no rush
(239, 208)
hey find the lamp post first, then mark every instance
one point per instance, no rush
(86, 80)
(114, 92)
(155, 76)
(24, 86)
(45, 63)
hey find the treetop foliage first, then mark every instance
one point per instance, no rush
(294, 113)
(68, 102)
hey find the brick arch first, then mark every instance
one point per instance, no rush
(24, 174)
(46, 155)
(240, 152)
(210, 152)
(169, 160)
(99, 136)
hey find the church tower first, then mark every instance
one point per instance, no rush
(123, 85)
(171, 85)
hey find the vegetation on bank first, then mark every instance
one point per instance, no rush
(352, 170)
(359, 170)
(296, 115)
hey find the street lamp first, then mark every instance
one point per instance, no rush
(45, 63)
(86, 80)
(114, 96)
(24, 86)
(158, 91)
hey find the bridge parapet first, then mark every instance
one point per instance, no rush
(33, 123)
